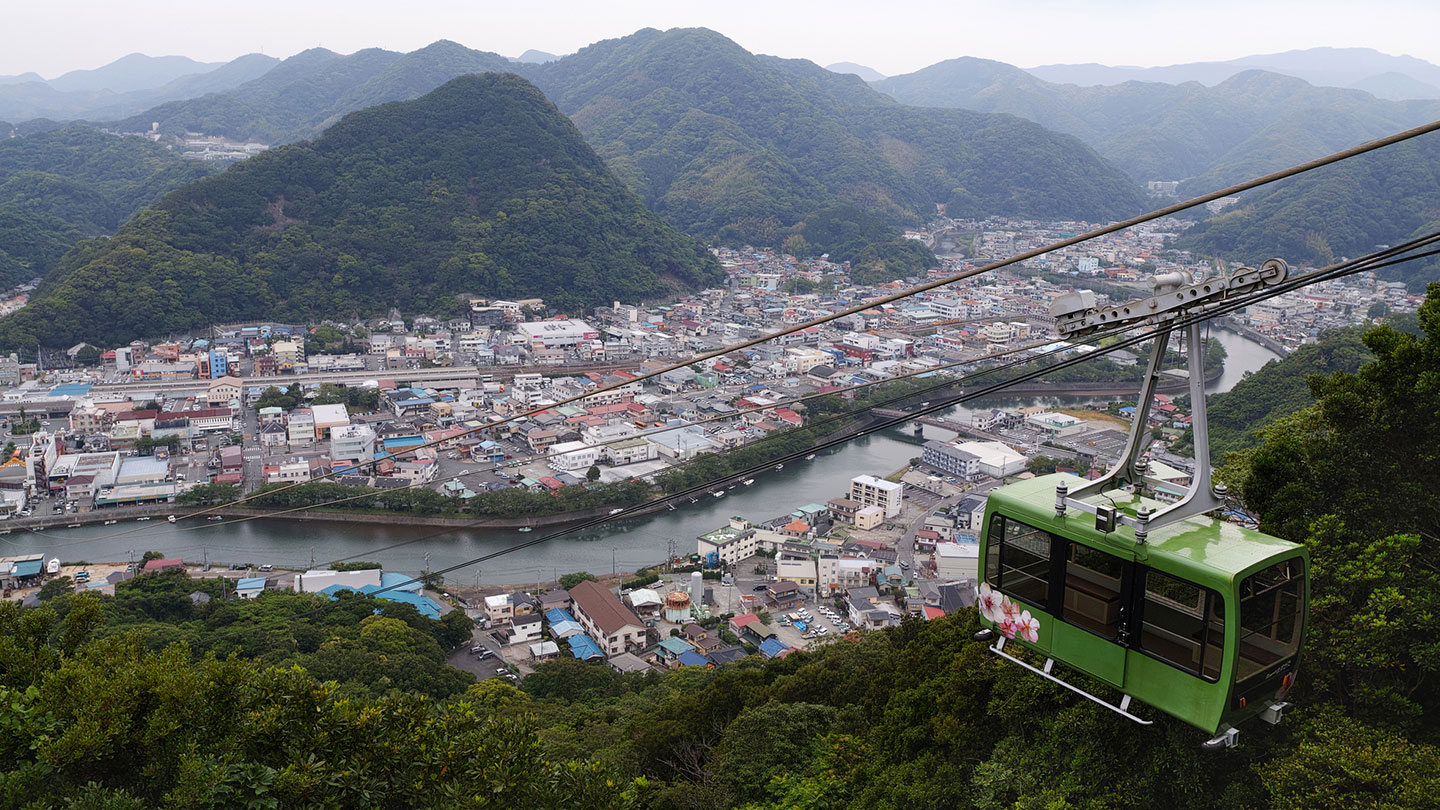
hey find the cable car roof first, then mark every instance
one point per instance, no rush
(1199, 544)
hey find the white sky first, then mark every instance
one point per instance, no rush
(894, 37)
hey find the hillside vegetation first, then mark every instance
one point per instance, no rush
(725, 143)
(480, 187)
(1342, 210)
(61, 186)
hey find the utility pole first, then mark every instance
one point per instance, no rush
(613, 570)
(312, 558)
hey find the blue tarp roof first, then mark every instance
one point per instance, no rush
(250, 584)
(424, 604)
(557, 615)
(771, 647)
(70, 390)
(394, 581)
(27, 568)
(690, 658)
(584, 648)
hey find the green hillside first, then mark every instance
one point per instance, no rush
(1341, 210)
(480, 187)
(725, 143)
(1278, 389)
(60, 186)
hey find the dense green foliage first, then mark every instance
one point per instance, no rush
(1250, 124)
(1380, 198)
(1278, 389)
(61, 186)
(148, 699)
(480, 187)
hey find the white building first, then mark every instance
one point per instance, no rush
(957, 561)
(868, 490)
(731, 543)
(996, 460)
(799, 570)
(1055, 424)
(319, 579)
(556, 334)
(573, 456)
(352, 443)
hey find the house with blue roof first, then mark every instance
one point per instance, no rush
(673, 647)
(773, 648)
(250, 587)
(585, 648)
(399, 582)
(694, 659)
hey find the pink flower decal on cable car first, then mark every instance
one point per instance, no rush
(988, 601)
(1011, 619)
(1029, 627)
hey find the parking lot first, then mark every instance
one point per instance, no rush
(480, 659)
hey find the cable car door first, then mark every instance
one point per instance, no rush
(1093, 630)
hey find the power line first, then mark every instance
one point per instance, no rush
(1368, 262)
(1373, 261)
(941, 282)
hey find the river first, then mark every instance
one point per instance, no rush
(625, 544)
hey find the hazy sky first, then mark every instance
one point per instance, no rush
(53, 36)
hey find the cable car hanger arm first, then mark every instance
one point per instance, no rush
(1176, 295)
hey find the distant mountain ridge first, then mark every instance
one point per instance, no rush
(1249, 124)
(303, 94)
(480, 187)
(1329, 67)
(867, 73)
(133, 72)
(123, 87)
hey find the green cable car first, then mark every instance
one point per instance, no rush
(1129, 579)
(1203, 621)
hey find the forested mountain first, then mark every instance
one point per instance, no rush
(1251, 123)
(1342, 210)
(725, 143)
(124, 87)
(311, 90)
(721, 143)
(481, 187)
(61, 186)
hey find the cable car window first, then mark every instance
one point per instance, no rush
(1024, 560)
(1092, 589)
(1183, 624)
(1272, 605)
